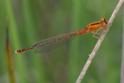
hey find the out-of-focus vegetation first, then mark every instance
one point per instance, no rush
(32, 20)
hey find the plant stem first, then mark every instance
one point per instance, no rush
(99, 42)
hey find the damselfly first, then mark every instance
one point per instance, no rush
(90, 28)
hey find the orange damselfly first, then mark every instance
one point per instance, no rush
(92, 27)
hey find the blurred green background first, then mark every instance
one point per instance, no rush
(32, 20)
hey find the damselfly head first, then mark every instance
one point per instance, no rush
(103, 20)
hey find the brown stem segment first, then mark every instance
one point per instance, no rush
(10, 64)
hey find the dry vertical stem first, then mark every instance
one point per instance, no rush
(122, 59)
(99, 42)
